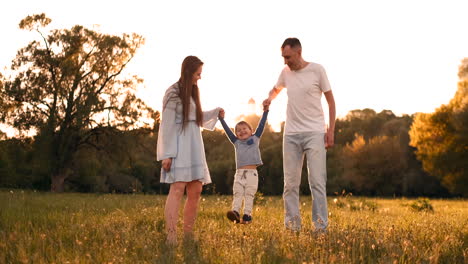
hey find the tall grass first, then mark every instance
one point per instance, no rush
(109, 228)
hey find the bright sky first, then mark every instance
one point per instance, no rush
(399, 55)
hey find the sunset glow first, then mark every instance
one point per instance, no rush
(401, 56)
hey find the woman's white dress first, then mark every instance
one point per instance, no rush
(184, 146)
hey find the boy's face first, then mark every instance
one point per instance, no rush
(243, 132)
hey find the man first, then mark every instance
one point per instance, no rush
(305, 133)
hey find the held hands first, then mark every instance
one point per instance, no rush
(166, 164)
(221, 113)
(266, 104)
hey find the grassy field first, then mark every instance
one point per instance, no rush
(109, 228)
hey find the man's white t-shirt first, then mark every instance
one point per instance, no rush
(304, 89)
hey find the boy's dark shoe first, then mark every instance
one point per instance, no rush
(233, 216)
(246, 219)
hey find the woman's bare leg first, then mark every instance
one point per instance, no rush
(171, 211)
(194, 189)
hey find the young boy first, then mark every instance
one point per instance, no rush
(246, 145)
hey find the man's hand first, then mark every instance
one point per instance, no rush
(329, 138)
(221, 113)
(166, 164)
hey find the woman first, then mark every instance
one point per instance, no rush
(180, 146)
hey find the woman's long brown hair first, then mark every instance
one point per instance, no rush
(188, 90)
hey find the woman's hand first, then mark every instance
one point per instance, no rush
(166, 164)
(266, 105)
(221, 113)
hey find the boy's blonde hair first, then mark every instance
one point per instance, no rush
(242, 123)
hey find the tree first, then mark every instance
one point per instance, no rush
(15, 160)
(375, 167)
(67, 87)
(441, 138)
(378, 159)
(364, 122)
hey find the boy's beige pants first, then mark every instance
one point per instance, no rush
(244, 189)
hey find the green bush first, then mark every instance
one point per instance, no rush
(422, 204)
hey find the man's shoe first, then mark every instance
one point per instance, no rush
(233, 216)
(246, 219)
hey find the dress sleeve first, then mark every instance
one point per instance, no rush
(210, 118)
(168, 131)
(261, 124)
(228, 131)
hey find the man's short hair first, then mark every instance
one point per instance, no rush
(292, 42)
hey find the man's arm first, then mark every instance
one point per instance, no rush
(330, 136)
(274, 92)
(272, 95)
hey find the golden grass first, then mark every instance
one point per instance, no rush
(109, 228)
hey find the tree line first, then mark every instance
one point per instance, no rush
(67, 89)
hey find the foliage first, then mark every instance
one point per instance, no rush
(66, 87)
(441, 139)
(346, 200)
(118, 161)
(259, 199)
(15, 164)
(374, 166)
(94, 228)
(422, 204)
(378, 160)
(363, 122)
